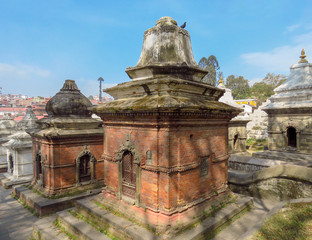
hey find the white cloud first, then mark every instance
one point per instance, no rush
(23, 71)
(280, 58)
(25, 79)
(292, 27)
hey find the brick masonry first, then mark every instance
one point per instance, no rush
(171, 181)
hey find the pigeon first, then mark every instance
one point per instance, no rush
(183, 25)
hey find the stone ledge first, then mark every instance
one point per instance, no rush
(211, 224)
(8, 183)
(118, 224)
(44, 229)
(3, 167)
(281, 171)
(78, 227)
(44, 206)
(133, 231)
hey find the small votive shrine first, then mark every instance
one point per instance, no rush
(19, 149)
(237, 127)
(68, 144)
(7, 128)
(290, 111)
(165, 135)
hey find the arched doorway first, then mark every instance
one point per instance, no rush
(11, 164)
(128, 175)
(235, 142)
(38, 167)
(291, 137)
(39, 170)
(84, 168)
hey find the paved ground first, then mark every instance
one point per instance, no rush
(15, 221)
(245, 227)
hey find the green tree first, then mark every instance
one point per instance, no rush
(261, 91)
(239, 86)
(210, 64)
(274, 80)
(90, 97)
(265, 89)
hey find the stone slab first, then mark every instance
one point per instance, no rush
(3, 167)
(44, 229)
(290, 157)
(78, 227)
(211, 224)
(15, 221)
(44, 206)
(10, 182)
(118, 224)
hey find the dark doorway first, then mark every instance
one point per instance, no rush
(11, 165)
(128, 175)
(291, 137)
(235, 144)
(38, 166)
(84, 169)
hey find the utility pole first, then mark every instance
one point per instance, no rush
(100, 80)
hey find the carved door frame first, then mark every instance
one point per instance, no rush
(128, 146)
(92, 166)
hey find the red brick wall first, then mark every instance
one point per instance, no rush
(60, 160)
(173, 178)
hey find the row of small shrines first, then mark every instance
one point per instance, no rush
(162, 146)
(25, 159)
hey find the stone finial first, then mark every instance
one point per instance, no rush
(166, 21)
(167, 50)
(221, 82)
(70, 85)
(303, 56)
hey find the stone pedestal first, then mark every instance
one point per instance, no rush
(165, 135)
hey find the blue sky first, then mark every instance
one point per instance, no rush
(42, 43)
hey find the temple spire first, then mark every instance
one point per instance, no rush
(303, 56)
(221, 82)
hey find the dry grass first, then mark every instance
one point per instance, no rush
(293, 222)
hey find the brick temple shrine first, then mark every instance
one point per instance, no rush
(67, 146)
(165, 134)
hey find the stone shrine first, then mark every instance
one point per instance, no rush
(237, 126)
(7, 128)
(257, 128)
(290, 111)
(68, 144)
(165, 135)
(19, 152)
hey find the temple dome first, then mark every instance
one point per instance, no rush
(29, 121)
(167, 50)
(69, 101)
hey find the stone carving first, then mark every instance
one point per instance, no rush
(85, 152)
(148, 157)
(128, 146)
(204, 166)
